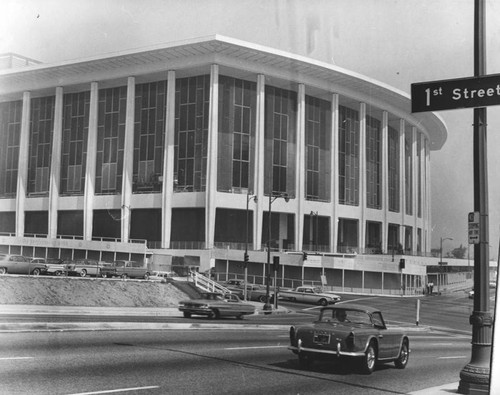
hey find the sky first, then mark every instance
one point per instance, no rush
(397, 42)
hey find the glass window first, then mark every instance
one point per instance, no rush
(348, 156)
(373, 163)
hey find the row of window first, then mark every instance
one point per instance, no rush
(236, 143)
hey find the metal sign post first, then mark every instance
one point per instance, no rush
(477, 92)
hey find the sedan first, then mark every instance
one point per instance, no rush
(18, 264)
(350, 331)
(216, 305)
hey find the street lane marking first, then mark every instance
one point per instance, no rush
(252, 348)
(456, 357)
(10, 358)
(118, 390)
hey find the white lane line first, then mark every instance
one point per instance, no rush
(118, 390)
(456, 357)
(253, 348)
(11, 358)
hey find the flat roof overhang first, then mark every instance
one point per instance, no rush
(237, 58)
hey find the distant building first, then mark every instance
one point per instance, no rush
(170, 144)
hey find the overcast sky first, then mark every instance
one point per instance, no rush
(398, 42)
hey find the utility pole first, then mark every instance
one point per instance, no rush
(475, 376)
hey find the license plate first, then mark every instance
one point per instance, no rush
(321, 338)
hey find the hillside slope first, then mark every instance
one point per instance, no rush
(90, 292)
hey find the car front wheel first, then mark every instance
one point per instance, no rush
(369, 360)
(36, 272)
(323, 302)
(404, 353)
(187, 314)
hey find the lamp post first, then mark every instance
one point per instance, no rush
(245, 257)
(441, 259)
(272, 198)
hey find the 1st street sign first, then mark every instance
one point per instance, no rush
(457, 93)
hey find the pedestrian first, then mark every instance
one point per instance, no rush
(431, 286)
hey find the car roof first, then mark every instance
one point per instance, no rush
(352, 306)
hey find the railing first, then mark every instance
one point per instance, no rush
(206, 284)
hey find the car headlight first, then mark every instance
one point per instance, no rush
(181, 304)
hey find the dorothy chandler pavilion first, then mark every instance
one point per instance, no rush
(189, 153)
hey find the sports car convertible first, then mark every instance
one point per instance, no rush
(350, 331)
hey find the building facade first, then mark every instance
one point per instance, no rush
(214, 143)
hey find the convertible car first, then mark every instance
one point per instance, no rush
(350, 331)
(216, 305)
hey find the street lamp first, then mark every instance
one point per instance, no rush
(441, 258)
(245, 257)
(272, 198)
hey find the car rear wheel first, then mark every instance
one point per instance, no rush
(36, 272)
(3, 270)
(187, 314)
(262, 299)
(59, 273)
(124, 276)
(83, 273)
(146, 276)
(404, 353)
(240, 316)
(369, 360)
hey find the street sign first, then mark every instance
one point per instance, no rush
(457, 93)
(474, 228)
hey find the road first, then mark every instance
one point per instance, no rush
(221, 361)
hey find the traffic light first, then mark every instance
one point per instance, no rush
(401, 264)
(276, 263)
(304, 256)
(245, 257)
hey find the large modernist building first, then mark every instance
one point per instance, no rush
(190, 146)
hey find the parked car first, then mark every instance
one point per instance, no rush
(234, 282)
(55, 266)
(216, 305)
(350, 331)
(85, 267)
(18, 264)
(309, 294)
(162, 277)
(126, 269)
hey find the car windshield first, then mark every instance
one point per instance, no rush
(345, 315)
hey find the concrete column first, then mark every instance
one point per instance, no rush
(384, 188)
(90, 168)
(415, 165)
(168, 163)
(211, 192)
(22, 172)
(128, 161)
(55, 164)
(362, 177)
(334, 191)
(428, 196)
(300, 166)
(402, 180)
(259, 161)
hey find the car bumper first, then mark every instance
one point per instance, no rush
(337, 352)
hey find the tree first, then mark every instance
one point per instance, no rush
(459, 252)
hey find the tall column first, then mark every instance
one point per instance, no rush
(428, 194)
(168, 163)
(334, 188)
(301, 167)
(211, 192)
(415, 164)
(362, 176)
(55, 165)
(402, 180)
(90, 168)
(22, 172)
(259, 161)
(384, 188)
(128, 161)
